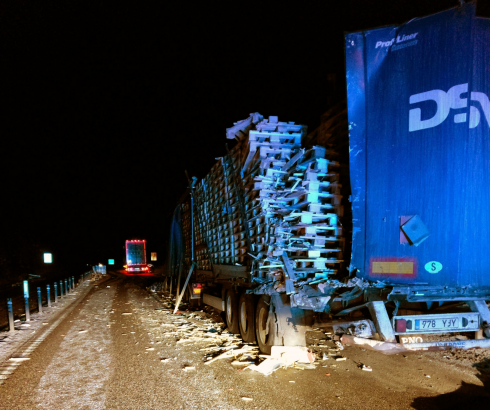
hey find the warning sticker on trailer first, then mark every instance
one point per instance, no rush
(393, 266)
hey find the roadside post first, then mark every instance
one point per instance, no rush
(10, 309)
(55, 292)
(39, 301)
(26, 299)
(48, 291)
(73, 281)
(66, 287)
(61, 288)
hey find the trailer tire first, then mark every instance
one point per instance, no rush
(231, 303)
(261, 324)
(246, 317)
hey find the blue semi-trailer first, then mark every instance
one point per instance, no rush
(273, 242)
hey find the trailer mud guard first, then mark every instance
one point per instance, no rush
(288, 326)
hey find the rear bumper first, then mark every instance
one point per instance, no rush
(138, 269)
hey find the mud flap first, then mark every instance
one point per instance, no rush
(287, 325)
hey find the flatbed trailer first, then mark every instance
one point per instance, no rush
(269, 238)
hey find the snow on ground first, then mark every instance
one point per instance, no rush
(76, 377)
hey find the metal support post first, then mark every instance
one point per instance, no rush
(177, 302)
(194, 264)
(39, 301)
(66, 287)
(481, 307)
(26, 300)
(381, 320)
(55, 292)
(73, 282)
(10, 309)
(48, 291)
(61, 288)
(28, 312)
(177, 289)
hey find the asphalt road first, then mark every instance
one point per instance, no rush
(107, 354)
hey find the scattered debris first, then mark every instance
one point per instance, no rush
(19, 359)
(189, 368)
(126, 313)
(366, 368)
(360, 328)
(291, 354)
(383, 347)
(267, 367)
(304, 366)
(247, 398)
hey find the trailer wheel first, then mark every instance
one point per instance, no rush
(232, 311)
(262, 325)
(246, 311)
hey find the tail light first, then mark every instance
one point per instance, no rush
(196, 290)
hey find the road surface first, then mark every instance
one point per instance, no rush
(117, 348)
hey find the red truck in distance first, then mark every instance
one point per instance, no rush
(136, 257)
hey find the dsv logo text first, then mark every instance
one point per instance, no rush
(445, 102)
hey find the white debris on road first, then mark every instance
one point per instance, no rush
(180, 342)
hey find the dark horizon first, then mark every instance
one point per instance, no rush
(107, 108)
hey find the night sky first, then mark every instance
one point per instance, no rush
(106, 104)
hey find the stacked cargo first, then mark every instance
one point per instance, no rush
(270, 203)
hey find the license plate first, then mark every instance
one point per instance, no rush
(451, 322)
(437, 324)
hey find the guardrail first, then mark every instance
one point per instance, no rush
(66, 286)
